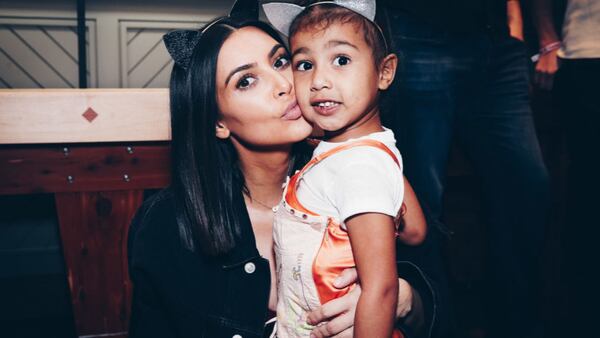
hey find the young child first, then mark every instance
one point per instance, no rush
(341, 209)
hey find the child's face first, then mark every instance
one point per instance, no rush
(335, 76)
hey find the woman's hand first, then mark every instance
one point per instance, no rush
(337, 316)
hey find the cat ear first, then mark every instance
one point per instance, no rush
(180, 45)
(281, 15)
(366, 8)
(244, 9)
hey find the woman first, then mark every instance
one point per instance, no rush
(200, 252)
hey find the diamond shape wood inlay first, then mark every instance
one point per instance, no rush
(90, 115)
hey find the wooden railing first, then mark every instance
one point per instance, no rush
(96, 150)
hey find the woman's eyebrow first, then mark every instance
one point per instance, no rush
(275, 49)
(239, 69)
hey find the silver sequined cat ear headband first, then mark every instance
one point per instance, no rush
(181, 43)
(281, 14)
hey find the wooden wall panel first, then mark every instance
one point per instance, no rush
(145, 62)
(42, 53)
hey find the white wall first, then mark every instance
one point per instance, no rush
(38, 41)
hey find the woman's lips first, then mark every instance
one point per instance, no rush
(293, 112)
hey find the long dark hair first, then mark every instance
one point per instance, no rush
(207, 182)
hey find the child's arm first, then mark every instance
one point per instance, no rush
(336, 317)
(415, 226)
(373, 245)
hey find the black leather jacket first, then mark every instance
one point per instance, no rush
(180, 293)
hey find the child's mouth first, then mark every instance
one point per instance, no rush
(325, 107)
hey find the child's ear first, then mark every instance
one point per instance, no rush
(387, 71)
(221, 130)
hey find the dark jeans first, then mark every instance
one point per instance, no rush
(576, 88)
(474, 87)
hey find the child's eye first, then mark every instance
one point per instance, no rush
(281, 62)
(304, 66)
(245, 82)
(341, 60)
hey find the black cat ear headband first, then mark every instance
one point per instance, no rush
(181, 43)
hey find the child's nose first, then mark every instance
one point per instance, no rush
(320, 80)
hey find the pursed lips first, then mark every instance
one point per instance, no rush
(292, 112)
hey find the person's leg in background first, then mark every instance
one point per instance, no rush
(576, 89)
(499, 135)
(420, 109)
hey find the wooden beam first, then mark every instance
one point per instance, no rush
(93, 229)
(71, 168)
(29, 116)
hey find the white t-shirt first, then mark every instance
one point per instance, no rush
(581, 30)
(354, 181)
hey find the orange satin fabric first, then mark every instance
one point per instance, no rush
(335, 252)
(335, 255)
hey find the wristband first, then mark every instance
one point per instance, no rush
(545, 50)
(550, 47)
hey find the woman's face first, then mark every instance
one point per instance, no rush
(255, 92)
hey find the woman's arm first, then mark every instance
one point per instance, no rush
(147, 314)
(414, 226)
(148, 317)
(374, 249)
(515, 19)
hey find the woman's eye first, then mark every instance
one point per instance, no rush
(281, 62)
(341, 61)
(245, 82)
(303, 66)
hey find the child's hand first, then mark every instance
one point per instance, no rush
(414, 226)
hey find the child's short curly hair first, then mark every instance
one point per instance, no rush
(323, 15)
